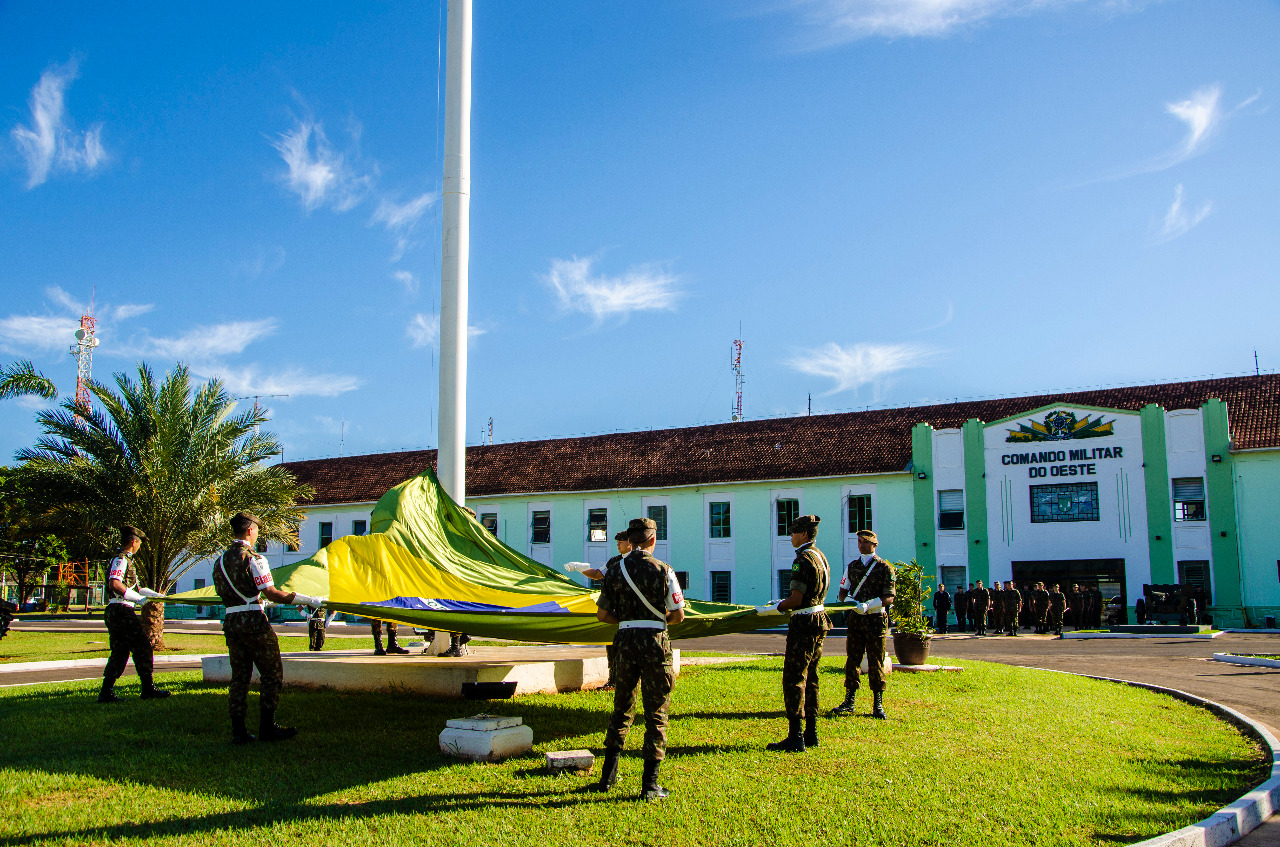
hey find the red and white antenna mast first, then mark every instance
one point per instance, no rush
(735, 364)
(83, 351)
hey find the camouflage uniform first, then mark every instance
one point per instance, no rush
(1012, 607)
(250, 639)
(1040, 605)
(609, 648)
(978, 599)
(641, 656)
(995, 613)
(316, 630)
(867, 633)
(1057, 605)
(124, 629)
(811, 575)
(962, 609)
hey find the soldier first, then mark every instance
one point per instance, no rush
(1040, 604)
(1076, 614)
(1097, 607)
(316, 629)
(962, 607)
(995, 614)
(978, 599)
(941, 606)
(1057, 606)
(124, 627)
(869, 580)
(392, 632)
(642, 596)
(806, 630)
(624, 547)
(241, 578)
(1013, 606)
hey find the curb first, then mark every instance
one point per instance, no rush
(1252, 661)
(1236, 820)
(68, 664)
(1085, 636)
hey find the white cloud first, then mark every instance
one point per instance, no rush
(265, 260)
(20, 333)
(50, 144)
(1179, 220)
(294, 382)
(399, 216)
(851, 368)
(424, 331)
(318, 174)
(641, 288)
(207, 343)
(130, 310)
(408, 280)
(60, 297)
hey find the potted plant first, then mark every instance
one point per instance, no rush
(911, 628)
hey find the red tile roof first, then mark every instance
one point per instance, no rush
(876, 441)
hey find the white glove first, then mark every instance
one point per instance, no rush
(768, 609)
(859, 608)
(304, 600)
(133, 596)
(872, 606)
(147, 592)
(580, 567)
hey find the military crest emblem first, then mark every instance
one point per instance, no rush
(1061, 425)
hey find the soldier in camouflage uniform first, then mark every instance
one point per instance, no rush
(124, 627)
(241, 578)
(995, 615)
(978, 599)
(962, 607)
(806, 630)
(392, 632)
(642, 596)
(1040, 607)
(624, 547)
(1057, 606)
(869, 582)
(1013, 606)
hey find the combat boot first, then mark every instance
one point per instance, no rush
(608, 772)
(269, 730)
(108, 693)
(239, 735)
(649, 787)
(377, 645)
(150, 691)
(810, 730)
(393, 647)
(845, 708)
(877, 708)
(793, 743)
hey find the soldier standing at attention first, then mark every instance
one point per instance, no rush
(810, 578)
(978, 600)
(641, 595)
(124, 627)
(1040, 602)
(624, 547)
(1013, 606)
(962, 605)
(869, 582)
(1057, 605)
(996, 612)
(941, 606)
(392, 632)
(241, 578)
(1077, 607)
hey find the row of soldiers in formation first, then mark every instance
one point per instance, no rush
(1006, 608)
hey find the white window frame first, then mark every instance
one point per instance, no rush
(709, 543)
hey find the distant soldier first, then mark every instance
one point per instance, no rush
(642, 596)
(941, 607)
(124, 627)
(393, 631)
(241, 578)
(1075, 611)
(962, 608)
(1040, 608)
(317, 628)
(869, 582)
(995, 614)
(1057, 607)
(1013, 607)
(979, 598)
(1097, 607)
(624, 547)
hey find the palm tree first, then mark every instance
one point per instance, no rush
(168, 458)
(21, 378)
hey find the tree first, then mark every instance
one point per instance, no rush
(21, 378)
(169, 458)
(28, 549)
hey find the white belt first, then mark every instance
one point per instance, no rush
(642, 625)
(812, 610)
(121, 602)
(247, 607)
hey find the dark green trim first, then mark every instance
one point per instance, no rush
(975, 498)
(1221, 493)
(922, 490)
(1155, 462)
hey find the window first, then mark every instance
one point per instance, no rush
(1195, 574)
(541, 533)
(951, 509)
(359, 527)
(682, 577)
(260, 546)
(784, 583)
(1188, 499)
(721, 583)
(720, 527)
(597, 524)
(292, 547)
(199, 584)
(658, 514)
(859, 512)
(489, 520)
(788, 511)
(1066, 503)
(326, 534)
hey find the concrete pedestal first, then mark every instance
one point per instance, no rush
(486, 738)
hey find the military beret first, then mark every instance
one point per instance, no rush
(127, 531)
(805, 523)
(620, 535)
(241, 520)
(643, 523)
(869, 535)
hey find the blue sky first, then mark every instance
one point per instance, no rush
(899, 201)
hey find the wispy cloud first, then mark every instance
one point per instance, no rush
(851, 368)
(50, 144)
(264, 261)
(294, 382)
(317, 172)
(130, 310)
(424, 331)
(642, 288)
(946, 319)
(407, 279)
(210, 343)
(401, 219)
(1179, 220)
(1202, 113)
(22, 333)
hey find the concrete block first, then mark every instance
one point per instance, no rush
(486, 745)
(571, 761)
(888, 665)
(483, 723)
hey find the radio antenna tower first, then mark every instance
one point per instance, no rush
(735, 364)
(83, 351)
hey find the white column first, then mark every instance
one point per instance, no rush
(454, 253)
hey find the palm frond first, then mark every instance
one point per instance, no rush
(22, 379)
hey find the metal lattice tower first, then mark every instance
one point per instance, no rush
(83, 351)
(735, 364)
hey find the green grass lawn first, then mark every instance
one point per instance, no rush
(19, 646)
(993, 755)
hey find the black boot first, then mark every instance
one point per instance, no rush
(608, 772)
(810, 730)
(649, 788)
(393, 647)
(239, 735)
(845, 708)
(877, 708)
(108, 693)
(377, 645)
(793, 743)
(269, 730)
(150, 691)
